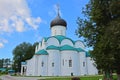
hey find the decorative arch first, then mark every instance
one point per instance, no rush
(52, 41)
(79, 44)
(67, 42)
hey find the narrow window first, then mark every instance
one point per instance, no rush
(83, 64)
(55, 32)
(63, 62)
(70, 63)
(52, 64)
(61, 32)
(42, 64)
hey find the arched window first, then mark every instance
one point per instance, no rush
(53, 64)
(83, 64)
(70, 63)
(63, 62)
(42, 64)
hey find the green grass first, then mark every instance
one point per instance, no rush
(97, 77)
(81, 78)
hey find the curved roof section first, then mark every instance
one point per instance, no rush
(60, 38)
(67, 47)
(80, 42)
(52, 47)
(80, 50)
(42, 52)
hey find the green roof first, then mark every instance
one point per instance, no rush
(67, 47)
(80, 50)
(42, 52)
(60, 38)
(2, 69)
(62, 48)
(52, 47)
(88, 54)
(23, 63)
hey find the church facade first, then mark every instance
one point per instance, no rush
(59, 55)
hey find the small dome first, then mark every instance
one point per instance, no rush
(58, 21)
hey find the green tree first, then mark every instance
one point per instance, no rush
(114, 39)
(1, 63)
(101, 30)
(21, 53)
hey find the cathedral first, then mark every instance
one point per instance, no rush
(58, 55)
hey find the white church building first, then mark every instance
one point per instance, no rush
(59, 55)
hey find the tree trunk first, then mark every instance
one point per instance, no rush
(108, 75)
(118, 72)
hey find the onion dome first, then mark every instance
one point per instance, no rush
(58, 21)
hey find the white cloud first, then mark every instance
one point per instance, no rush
(2, 42)
(1, 45)
(15, 16)
(35, 21)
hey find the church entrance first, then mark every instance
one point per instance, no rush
(71, 74)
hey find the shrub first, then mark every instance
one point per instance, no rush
(75, 78)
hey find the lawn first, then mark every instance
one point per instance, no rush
(81, 78)
(97, 77)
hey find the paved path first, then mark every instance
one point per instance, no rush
(8, 77)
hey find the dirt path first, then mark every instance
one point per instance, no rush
(8, 77)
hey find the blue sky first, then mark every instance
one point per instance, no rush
(29, 21)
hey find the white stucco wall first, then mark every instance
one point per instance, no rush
(65, 69)
(36, 65)
(82, 63)
(42, 65)
(39, 46)
(54, 57)
(36, 48)
(91, 68)
(58, 30)
(30, 67)
(43, 44)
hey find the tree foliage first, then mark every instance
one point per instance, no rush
(5, 62)
(101, 30)
(21, 53)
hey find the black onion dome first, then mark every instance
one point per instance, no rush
(58, 21)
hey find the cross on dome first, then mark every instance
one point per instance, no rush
(58, 10)
(58, 20)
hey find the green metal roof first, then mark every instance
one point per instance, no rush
(60, 38)
(42, 52)
(2, 69)
(23, 63)
(52, 47)
(62, 48)
(80, 50)
(88, 54)
(67, 47)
